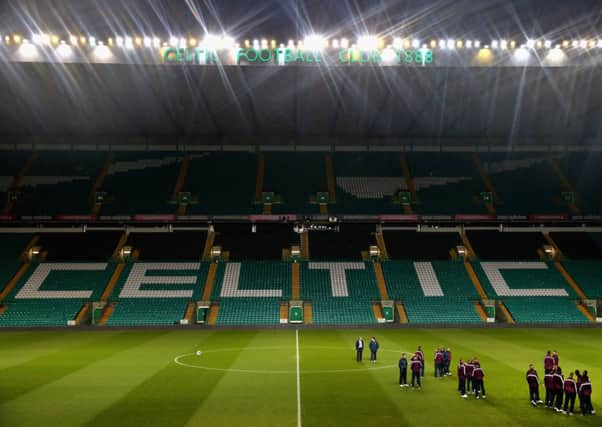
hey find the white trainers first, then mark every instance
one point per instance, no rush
(484, 397)
(540, 401)
(533, 403)
(464, 396)
(593, 412)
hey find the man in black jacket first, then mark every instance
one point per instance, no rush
(403, 371)
(373, 349)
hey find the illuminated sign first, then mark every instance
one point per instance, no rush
(289, 56)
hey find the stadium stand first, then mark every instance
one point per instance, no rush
(294, 178)
(493, 245)
(588, 274)
(409, 244)
(11, 165)
(583, 172)
(180, 245)
(88, 246)
(59, 182)
(525, 183)
(51, 294)
(341, 293)
(140, 300)
(578, 245)
(266, 243)
(221, 183)
(432, 292)
(446, 183)
(140, 183)
(365, 182)
(533, 292)
(345, 244)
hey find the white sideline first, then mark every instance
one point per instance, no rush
(298, 381)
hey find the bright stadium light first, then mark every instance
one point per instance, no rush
(477, 44)
(468, 44)
(599, 43)
(64, 50)
(555, 56)
(28, 50)
(494, 44)
(36, 39)
(73, 40)
(211, 42)
(314, 42)
(450, 43)
(129, 43)
(92, 41)
(397, 43)
(367, 43)
(575, 43)
(102, 52)
(119, 41)
(415, 43)
(503, 44)
(255, 44)
(147, 42)
(173, 41)
(530, 43)
(335, 43)
(521, 54)
(156, 42)
(442, 44)
(291, 44)
(264, 43)
(389, 56)
(344, 43)
(227, 42)
(583, 44)
(547, 44)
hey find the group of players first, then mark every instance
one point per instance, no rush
(470, 374)
(560, 389)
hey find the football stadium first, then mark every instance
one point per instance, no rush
(300, 213)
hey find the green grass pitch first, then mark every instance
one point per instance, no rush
(249, 378)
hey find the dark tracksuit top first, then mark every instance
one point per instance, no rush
(570, 393)
(415, 366)
(478, 376)
(547, 382)
(548, 363)
(558, 389)
(533, 381)
(462, 379)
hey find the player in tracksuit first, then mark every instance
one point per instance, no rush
(462, 379)
(533, 381)
(479, 384)
(548, 362)
(556, 358)
(438, 362)
(558, 389)
(420, 356)
(403, 371)
(585, 393)
(415, 368)
(444, 362)
(570, 393)
(547, 382)
(469, 370)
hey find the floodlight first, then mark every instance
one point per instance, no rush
(102, 52)
(28, 50)
(314, 42)
(521, 55)
(173, 41)
(64, 50)
(547, 44)
(599, 43)
(415, 43)
(119, 41)
(227, 42)
(389, 56)
(367, 43)
(477, 44)
(442, 44)
(503, 44)
(211, 42)
(397, 43)
(129, 43)
(494, 44)
(583, 44)
(156, 42)
(450, 43)
(555, 56)
(344, 43)
(468, 44)
(335, 43)
(530, 43)
(575, 43)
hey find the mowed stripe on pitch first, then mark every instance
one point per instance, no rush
(78, 397)
(174, 393)
(345, 398)
(255, 399)
(20, 379)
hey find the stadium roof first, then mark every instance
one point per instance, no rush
(307, 105)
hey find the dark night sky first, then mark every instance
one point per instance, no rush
(285, 19)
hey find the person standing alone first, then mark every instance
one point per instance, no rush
(359, 348)
(373, 349)
(403, 371)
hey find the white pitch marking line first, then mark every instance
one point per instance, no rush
(298, 381)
